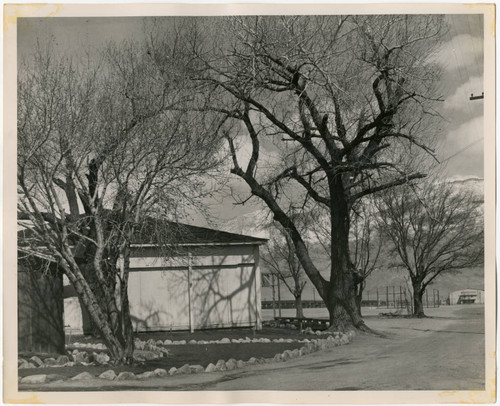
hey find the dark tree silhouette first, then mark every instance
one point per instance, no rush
(346, 102)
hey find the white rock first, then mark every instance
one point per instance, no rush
(84, 376)
(196, 369)
(221, 365)
(36, 360)
(101, 358)
(185, 369)
(108, 375)
(126, 376)
(231, 364)
(34, 379)
(146, 375)
(27, 365)
(160, 372)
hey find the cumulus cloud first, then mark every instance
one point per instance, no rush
(465, 134)
(463, 52)
(459, 100)
(464, 147)
(267, 159)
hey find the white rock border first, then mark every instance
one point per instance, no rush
(155, 346)
(314, 345)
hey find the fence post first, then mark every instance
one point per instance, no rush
(387, 296)
(377, 299)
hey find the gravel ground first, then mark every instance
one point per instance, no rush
(443, 352)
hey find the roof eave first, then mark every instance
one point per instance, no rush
(200, 244)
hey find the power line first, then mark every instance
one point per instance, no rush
(462, 150)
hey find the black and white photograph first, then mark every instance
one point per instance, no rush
(282, 200)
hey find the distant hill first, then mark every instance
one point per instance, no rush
(474, 185)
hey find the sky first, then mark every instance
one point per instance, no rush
(461, 57)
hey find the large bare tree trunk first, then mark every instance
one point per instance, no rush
(298, 306)
(343, 309)
(113, 323)
(418, 304)
(341, 300)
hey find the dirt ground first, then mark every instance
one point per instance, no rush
(442, 352)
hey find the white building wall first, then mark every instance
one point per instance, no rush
(477, 294)
(225, 285)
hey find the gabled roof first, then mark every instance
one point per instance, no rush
(154, 232)
(161, 232)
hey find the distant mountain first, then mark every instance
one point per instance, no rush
(474, 185)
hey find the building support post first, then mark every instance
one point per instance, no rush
(258, 285)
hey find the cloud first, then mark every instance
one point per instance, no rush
(463, 53)
(267, 159)
(465, 134)
(463, 149)
(459, 101)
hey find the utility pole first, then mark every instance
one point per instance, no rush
(279, 296)
(274, 296)
(472, 97)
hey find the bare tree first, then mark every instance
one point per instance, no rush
(345, 101)
(434, 229)
(365, 243)
(366, 246)
(280, 258)
(99, 151)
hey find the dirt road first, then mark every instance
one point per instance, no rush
(444, 352)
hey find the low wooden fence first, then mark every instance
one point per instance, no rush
(304, 322)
